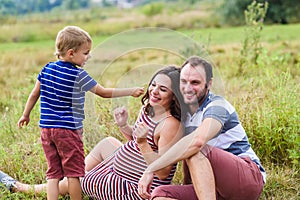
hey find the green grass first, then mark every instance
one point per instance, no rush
(225, 35)
(266, 94)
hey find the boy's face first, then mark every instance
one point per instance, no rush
(81, 56)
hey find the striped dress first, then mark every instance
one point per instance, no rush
(116, 178)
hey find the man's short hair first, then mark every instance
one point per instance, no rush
(195, 61)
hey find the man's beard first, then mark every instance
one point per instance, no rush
(200, 98)
(202, 95)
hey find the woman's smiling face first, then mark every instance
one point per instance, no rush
(160, 93)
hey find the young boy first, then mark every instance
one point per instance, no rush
(62, 86)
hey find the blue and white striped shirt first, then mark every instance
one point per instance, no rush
(232, 137)
(62, 92)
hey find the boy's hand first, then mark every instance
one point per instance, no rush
(23, 120)
(137, 91)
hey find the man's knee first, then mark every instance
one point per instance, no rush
(159, 192)
(201, 156)
(164, 192)
(195, 159)
(174, 192)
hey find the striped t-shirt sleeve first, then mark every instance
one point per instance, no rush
(85, 81)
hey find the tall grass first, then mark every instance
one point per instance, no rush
(266, 94)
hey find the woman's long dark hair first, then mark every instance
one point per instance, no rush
(177, 104)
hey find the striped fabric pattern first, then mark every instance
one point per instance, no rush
(117, 177)
(62, 94)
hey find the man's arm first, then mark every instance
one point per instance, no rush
(188, 145)
(168, 133)
(184, 148)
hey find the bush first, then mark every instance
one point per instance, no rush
(152, 9)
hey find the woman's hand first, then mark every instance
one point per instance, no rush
(141, 132)
(121, 116)
(144, 183)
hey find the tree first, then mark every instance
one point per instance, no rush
(19, 7)
(279, 11)
(7, 7)
(75, 4)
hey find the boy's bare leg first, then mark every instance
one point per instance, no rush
(101, 151)
(74, 188)
(52, 189)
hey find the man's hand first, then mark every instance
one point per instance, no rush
(143, 185)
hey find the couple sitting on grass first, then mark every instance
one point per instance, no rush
(215, 147)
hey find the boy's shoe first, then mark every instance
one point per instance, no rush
(7, 181)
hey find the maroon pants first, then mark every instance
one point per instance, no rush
(64, 152)
(235, 178)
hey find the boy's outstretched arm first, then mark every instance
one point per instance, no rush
(117, 92)
(31, 101)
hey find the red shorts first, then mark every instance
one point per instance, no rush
(235, 178)
(64, 152)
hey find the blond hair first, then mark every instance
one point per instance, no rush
(70, 37)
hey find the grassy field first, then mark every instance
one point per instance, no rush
(265, 93)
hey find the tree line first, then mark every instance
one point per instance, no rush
(20, 7)
(230, 11)
(279, 11)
